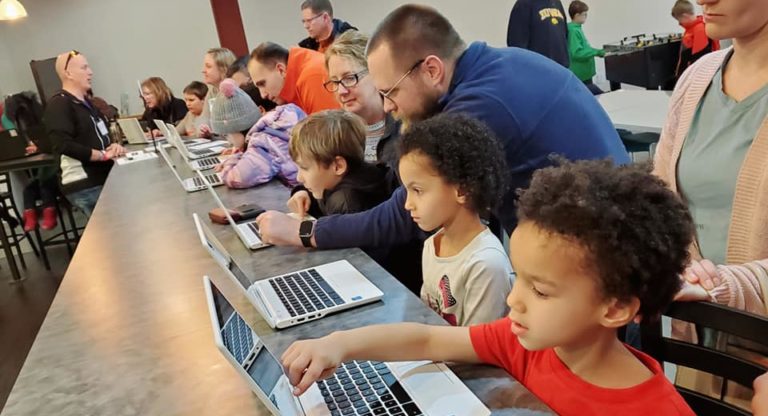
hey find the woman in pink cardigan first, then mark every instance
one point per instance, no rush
(714, 153)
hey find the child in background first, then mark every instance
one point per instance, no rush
(452, 169)
(696, 43)
(259, 144)
(328, 148)
(194, 98)
(582, 54)
(596, 246)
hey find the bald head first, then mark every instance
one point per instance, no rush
(74, 72)
(416, 31)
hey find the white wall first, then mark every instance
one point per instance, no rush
(124, 41)
(130, 40)
(609, 20)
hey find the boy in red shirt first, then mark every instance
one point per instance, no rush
(696, 43)
(596, 246)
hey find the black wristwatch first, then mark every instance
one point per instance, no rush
(306, 231)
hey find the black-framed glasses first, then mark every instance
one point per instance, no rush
(305, 21)
(348, 81)
(386, 94)
(71, 55)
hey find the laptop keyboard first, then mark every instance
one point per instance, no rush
(366, 388)
(237, 338)
(213, 179)
(305, 292)
(208, 162)
(202, 152)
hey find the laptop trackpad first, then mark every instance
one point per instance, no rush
(437, 392)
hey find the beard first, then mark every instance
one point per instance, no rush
(430, 106)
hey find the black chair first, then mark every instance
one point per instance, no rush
(16, 231)
(731, 368)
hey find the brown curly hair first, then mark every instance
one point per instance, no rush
(464, 152)
(635, 230)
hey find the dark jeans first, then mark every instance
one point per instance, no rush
(594, 89)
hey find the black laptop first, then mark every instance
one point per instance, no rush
(12, 145)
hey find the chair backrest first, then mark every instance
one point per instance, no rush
(744, 325)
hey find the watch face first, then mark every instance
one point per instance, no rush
(306, 228)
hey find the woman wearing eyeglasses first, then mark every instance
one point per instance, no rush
(348, 80)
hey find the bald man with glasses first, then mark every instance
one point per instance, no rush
(79, 133)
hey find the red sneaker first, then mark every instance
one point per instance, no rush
(49, 218)
(30, 220)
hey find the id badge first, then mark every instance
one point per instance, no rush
(102, 128)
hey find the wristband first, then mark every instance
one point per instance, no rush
(104, 157)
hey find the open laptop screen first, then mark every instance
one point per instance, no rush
(239, 274)
(224, 310)
(265, 371)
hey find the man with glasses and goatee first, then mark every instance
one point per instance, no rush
(79, 133)
(422, 67)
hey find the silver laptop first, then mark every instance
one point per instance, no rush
(247, 232)
(133, 131)
(299, 296)
(363, 387)
(194, 183)
(169, 130)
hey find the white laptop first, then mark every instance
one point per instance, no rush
(299, 296)
(133, 131)
(248, 232)
(197, 164)
(363, 387)
(194, 183)
(165, 130)
(198, 151)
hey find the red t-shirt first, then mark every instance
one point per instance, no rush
(552, 382)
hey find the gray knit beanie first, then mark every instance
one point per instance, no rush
(233, 110)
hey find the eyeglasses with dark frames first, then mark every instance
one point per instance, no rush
(386, 94)
(305, 21)
(71, 55)
(348, 81)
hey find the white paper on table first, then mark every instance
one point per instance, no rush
(135, 156)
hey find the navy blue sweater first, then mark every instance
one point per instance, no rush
(536, 108)
(540, 26)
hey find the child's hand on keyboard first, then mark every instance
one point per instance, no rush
(305, 362)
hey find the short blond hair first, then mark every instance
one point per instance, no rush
(682, 7)
(159, 89)
(327, 134)
(350, 45)
(223, 58)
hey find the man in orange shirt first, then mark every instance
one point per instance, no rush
(291, 76)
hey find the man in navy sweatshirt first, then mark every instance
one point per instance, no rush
(540, 26)
(421, 67)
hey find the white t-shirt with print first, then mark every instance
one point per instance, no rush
(470, 287)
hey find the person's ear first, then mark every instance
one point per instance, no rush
(281, 69)
(616, 313)
(339, 166)
(461, 196)
(434, 70)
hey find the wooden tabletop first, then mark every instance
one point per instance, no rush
(128, 332)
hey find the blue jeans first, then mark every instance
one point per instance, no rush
(86, 199)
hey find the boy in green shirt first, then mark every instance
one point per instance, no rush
(581, 53)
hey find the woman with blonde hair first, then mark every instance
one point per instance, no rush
(348, 80)
(216, 63)
(160, 103)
